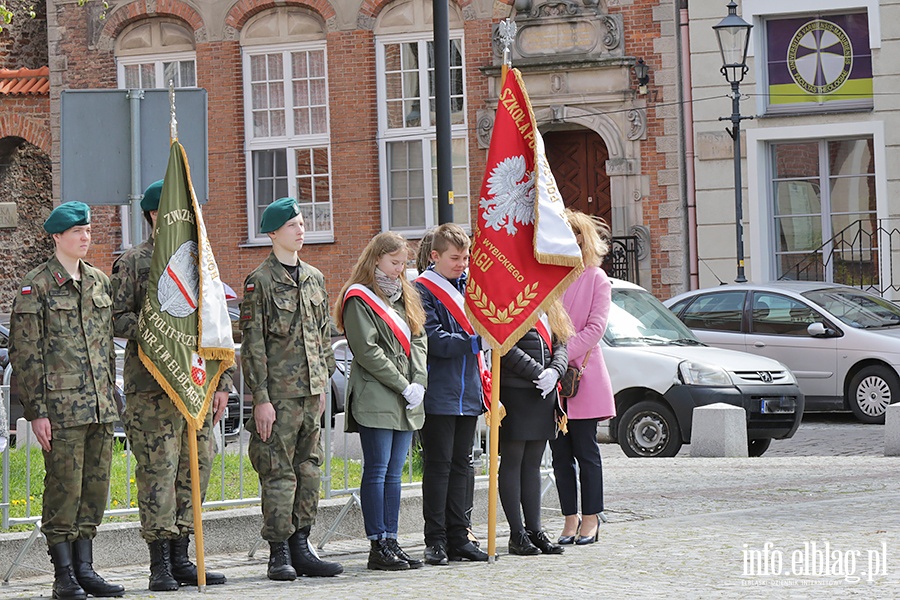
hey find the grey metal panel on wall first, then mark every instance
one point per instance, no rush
(95, 142)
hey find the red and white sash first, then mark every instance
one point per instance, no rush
(453, 300)
(543, 328)
(390, 316)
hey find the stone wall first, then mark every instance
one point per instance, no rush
(23, 43)
(25, 181)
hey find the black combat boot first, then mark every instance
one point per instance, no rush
(65, 585)
(305, 560)
(382, 558)
(394, 545)
(161, 579)
(183, 570)
(83, 563)
(280, 568)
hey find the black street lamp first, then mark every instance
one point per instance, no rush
(733, 35)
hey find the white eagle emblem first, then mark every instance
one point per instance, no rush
(179, 285)
(512, 198)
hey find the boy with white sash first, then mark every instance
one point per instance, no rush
(453, 401)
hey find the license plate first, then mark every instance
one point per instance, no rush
(771, 406)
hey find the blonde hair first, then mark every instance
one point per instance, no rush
(449, 235)
(560, 323)
(364, 274)
(595, 236)
(423, 257)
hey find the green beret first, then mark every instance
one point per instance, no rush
(67, 215)
(150, 200)
(277, 214)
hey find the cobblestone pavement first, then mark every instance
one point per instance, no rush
(769, 527)
(678, 528)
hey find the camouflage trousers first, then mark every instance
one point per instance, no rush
(76, 484)
(288, 467)
(158, 435)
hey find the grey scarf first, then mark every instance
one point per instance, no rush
(391, 287)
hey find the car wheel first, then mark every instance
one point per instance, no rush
(871, 391)
(649, 429)
(758, 447)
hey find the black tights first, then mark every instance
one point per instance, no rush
(520, 483)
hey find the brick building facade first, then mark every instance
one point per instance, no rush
(358, 155)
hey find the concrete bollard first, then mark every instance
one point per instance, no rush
(719, 430)
(24, 435)
(892, 430)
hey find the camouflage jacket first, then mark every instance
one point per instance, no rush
(286, 347)
(61, 346)
(130, 275)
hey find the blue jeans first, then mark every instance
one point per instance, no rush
(384, 452)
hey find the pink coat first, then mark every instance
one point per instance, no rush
(587, 302)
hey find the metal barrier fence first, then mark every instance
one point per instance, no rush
(235, 443)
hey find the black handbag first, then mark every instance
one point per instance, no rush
(568, 384)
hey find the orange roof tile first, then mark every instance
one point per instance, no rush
(25, 81)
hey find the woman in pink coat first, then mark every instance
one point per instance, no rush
(587, 302)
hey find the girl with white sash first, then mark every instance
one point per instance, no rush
(382, 317)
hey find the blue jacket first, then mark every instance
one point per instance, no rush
(454, 381)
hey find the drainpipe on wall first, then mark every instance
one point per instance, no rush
(688, 111)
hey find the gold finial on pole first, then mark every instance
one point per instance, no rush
(173, 123)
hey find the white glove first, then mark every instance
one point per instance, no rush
(546, 381)
(414, 395)
(3, 443)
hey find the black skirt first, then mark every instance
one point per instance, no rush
(529, 416)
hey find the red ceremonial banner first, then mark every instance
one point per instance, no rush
(525, 254)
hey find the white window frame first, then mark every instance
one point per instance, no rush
(761, 227)
(758, 11)
(288, 142)
(158, 59)
(140, 59)
(426, 134)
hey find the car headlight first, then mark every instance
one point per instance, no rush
(694, 373)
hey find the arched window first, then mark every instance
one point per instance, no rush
(406, 117)
(286, 118)
(152, 52)
(149, 54)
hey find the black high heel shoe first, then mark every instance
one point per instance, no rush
(584, 540)
(568, 540)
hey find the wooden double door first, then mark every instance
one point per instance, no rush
(578, 161)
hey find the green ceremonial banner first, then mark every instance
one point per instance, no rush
(185, 331)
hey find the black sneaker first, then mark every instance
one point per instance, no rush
(436, 555)
(520, 545)
(543, 543)
(467, 551)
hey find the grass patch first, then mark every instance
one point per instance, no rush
(224, 483)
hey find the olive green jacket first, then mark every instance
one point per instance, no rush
(130, 275)
(61, 346)
(286, 346)
(381, 370)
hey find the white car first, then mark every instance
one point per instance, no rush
(842, 344)
(660, 372)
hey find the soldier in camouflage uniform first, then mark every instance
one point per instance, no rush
(61, 347)
(287, 360)
(157, 431)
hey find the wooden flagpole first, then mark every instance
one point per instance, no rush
(507, 34)
(193, 431)
(197, 505)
